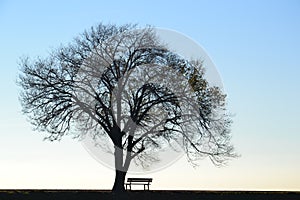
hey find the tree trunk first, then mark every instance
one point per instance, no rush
(120, 171)
(121, 166)
(119, 182)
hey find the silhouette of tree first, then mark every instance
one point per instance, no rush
(121, 82)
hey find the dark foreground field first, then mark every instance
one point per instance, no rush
(139, 195)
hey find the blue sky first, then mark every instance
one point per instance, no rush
(255, 46)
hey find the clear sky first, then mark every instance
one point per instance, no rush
(255, 46)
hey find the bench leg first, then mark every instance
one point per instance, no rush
(146, 186)
(128, 184)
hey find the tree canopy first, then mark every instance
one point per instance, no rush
(124, 83)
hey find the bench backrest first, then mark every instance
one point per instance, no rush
(139, 180)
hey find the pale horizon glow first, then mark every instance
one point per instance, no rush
(255, 46)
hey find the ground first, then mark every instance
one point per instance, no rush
(145, 195)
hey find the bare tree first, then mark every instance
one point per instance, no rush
(121, 82)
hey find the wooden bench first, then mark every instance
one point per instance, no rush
(139, 181)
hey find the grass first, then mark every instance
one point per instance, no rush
(146, 195)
